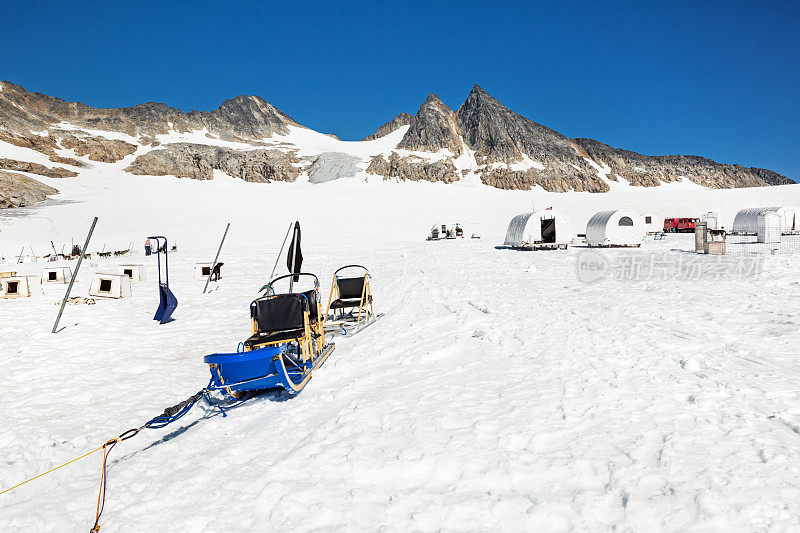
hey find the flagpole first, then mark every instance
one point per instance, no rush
(291, 270)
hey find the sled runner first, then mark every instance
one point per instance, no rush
(287, 344)
(349, 308)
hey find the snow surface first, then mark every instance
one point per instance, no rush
(498, 393)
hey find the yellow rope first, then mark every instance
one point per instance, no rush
(53, 469)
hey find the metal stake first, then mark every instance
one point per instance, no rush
(74, 274)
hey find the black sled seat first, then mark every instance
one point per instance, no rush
(350, 293)
(278, 319)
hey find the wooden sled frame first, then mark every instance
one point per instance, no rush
(312, 340)
(364, 304)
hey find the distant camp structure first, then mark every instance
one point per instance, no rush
(746, 221)
(616, 228)
(652, 224)
(680, 224)
(443, 231)
(712, 220)
(539, 230)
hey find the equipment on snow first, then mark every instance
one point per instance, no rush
(167, 302)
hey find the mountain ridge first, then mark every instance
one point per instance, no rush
(248, 138)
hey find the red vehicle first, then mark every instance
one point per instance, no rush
(680, 225)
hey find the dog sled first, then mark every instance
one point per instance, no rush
(286, 346)
(349, 308)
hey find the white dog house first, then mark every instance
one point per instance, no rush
(19, 286)
(110, 286)
(202, 270)
(746, 221)
(652, 224)
(539, 229)
(135, 272)
(616, 228)
(56, 275)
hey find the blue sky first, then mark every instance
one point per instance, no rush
(715, 79)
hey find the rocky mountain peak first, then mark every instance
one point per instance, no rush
(403, 119)
(433, 129)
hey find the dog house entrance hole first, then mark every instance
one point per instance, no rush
(105, 285)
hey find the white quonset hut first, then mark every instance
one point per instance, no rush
(58, 274)
(539, 229)
(746, 221)
(616, 228)
(111, 286)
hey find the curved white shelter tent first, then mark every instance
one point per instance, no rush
(616, 228)
(539, 228)
(746, 221)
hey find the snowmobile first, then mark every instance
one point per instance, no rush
(349, 308)
(286, 346)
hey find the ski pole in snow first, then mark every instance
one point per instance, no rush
(214, 264)
(288, 231)
(74, 274)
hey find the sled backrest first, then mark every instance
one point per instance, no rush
(350, 288)
(313, 307)
(279, 313)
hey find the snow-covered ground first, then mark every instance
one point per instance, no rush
(499, 392)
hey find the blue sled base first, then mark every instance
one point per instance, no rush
(265, 368)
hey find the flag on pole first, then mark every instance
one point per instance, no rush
(294, 260)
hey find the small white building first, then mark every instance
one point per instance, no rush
(539, 229)
(746, 221)
(56, 275)
(712, 220)
(769, 228)
(110, 286)
(19, 286)
(135, 272)
(652, 224)
(616, 228)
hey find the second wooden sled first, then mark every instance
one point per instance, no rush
(349, 309)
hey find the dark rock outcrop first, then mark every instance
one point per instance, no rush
(36, 168)
(649, 171)
(413, 168)
(198, 161)
(17, 190)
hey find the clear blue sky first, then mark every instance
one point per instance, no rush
(716, 79)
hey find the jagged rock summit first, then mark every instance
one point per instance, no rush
(248, 138)
(433, 129)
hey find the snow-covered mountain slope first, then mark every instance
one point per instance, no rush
(498, 393)
(248, 138)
